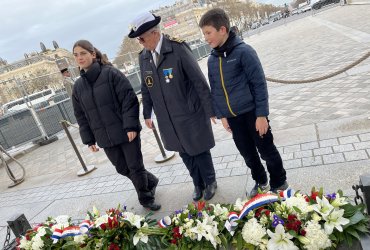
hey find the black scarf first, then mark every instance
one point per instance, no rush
(227, 47)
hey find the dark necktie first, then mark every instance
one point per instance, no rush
(156, 58)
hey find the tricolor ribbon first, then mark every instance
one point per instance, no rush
(66, 232)
(165, 222)
(256, 202)
(85, 226)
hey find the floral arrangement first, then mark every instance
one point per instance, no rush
(288, 220)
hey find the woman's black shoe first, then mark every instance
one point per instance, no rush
(152, 206)
(198, 193)
(210, 191)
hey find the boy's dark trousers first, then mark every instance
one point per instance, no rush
(128, 160)
(247, 140)
(200, 168)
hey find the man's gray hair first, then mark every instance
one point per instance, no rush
(156, 28)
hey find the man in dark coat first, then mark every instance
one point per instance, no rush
(174, 87)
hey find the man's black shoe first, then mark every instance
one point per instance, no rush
(152, 206)
(210, 191)
(198, 193)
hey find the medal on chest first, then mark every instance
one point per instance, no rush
(168, 74)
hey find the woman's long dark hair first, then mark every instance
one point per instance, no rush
(103, 59)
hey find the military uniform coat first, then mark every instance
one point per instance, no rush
(178, 93)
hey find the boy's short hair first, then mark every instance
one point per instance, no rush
(215, 17)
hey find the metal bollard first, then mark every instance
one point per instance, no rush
(365, 188)
(165, 155)
(11, 175)
(19, 225)
(86, 169)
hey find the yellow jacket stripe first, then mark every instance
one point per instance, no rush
(224, 88)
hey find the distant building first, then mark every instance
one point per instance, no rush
(38, 70)
(181, 19)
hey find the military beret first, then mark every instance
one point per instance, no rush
(142, 24)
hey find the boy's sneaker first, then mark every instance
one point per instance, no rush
(263, 187)
(283, 187)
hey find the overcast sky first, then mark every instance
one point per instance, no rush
(26, 23)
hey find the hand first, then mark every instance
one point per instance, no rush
(213, 119)
(225, 123)
(131, 135)
(149, 123)
(93, 148)
(262, 125)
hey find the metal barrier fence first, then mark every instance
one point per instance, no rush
(20, 127)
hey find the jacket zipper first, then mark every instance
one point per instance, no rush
(224, 88)
(93, 99)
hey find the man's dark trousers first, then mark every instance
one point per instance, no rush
(128, 160)
(200, 167)
(247, 140)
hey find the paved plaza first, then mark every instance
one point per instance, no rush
(322, 130)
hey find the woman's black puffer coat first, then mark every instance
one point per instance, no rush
(105, 106)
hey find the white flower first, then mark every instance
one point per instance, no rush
(338, 201)
(41, 231)
(264, 220)
(62, 221)
(207, 229)
(323, 206)
(300, 203)
(80, 239)
(335, 219)
(140, 236)
(220, 211)
(318, 239)
(25, 244)
(101, 220)
(201, 229)
(37, 243)
(316, 217)
(280, 240)
(253, 232)
(135, 220)
(96, 212)
(239, 204)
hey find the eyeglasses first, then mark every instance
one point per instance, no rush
(142, 39)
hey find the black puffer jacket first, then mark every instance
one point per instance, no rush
(105, 106)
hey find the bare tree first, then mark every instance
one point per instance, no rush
(42, 79)
(128, 53)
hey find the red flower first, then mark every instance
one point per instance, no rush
(293, 223)
(174, 241)
(314, 195)
(200, 205)
(112, 223)
(113, 246)
(292, 217)
(103, 226)
(267, 212)
(176, 233)
(303, 232)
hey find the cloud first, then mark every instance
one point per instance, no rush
(24, 24)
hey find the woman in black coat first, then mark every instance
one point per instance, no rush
(107, 111)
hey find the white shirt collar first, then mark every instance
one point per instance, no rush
(159, 45)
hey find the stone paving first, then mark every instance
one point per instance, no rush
(321, 129)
